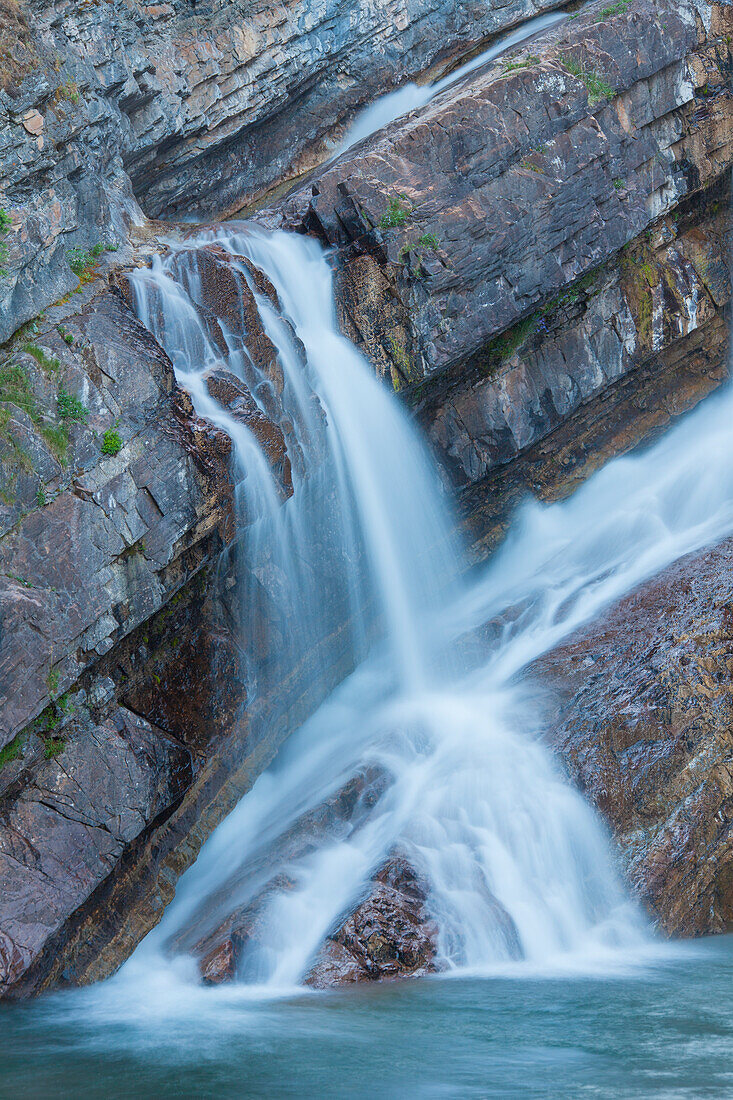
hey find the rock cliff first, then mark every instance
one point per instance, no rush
(186, 106)
(541, 229)
(537, 260)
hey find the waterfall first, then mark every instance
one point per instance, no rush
(410, 97)
(520, 870)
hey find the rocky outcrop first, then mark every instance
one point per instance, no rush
(107, 504)
(95, 787)
(185, 107)
(114, 500)
(388, 935)
(540, 230)
(640, 712)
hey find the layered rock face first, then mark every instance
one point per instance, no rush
(186, 107)
(111, 506)
(100, 785)
(639, 710)
(540, 230)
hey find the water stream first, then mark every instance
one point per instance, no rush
(557, 985)
(411, 96)
(521, 874)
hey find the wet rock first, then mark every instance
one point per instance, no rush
(220, 965)
(640, 713)
(388, 935)
(224, 286)
(335, 965)
(243, 928)
(99, 787)
(102, 544)
(234, 395)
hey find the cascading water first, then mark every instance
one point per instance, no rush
(519, 869)
(412, 96)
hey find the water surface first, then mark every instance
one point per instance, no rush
(661, 1029)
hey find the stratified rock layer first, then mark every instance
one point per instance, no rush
(186, 107)
(641, 714)
(515, 249)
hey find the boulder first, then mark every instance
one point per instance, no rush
(388, 935)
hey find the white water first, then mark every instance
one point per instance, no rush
(521, 872)
(411, 96)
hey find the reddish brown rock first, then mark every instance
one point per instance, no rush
(220, 965)
(235, 396)
(641, 708)
(222, 286)
(389, 935)
(335, 965)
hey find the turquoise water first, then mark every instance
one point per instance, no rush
(661, 1029)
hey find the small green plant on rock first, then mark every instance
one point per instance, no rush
(5, 223)
(111, 442)
(65, 335)
(41, 499)
(83, 261)
(71, 408)
(20, 580)
(11, 751)
(15, 389)
(401, 360)
(526, 63)
(65, 704)
(46, 362)
(69, 91)
(613, 9)
(597, 87)
(57, 438)
(53, 746)
(52, 680)
(429, 240)
(398, 211)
